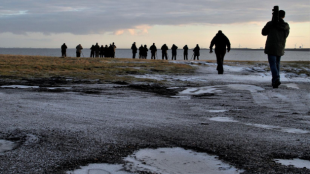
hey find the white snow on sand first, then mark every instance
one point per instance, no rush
(222, 119)
(99, 169)
(200, 90)
(19, 86)
(298, 163)
(278, 128)
(292, 85)
(6, 145)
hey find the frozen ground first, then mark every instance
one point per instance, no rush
(237, 117)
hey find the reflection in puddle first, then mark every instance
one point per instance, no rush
(298, 163)
(223, 119)
(163, 161)
(6, 145)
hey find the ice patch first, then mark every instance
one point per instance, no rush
(250, 88)
(216, 111)
(6, 145)
(19, 86)
(298, 163)
(99, 169)
(292, 85)
(282, 129)
(200, 91)
(223, 119)
(176, 160)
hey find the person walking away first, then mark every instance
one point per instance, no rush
(145, 50)
(101, 51)
(196, 52)
(97, 50)
(64, 50)
(141, 51)
(92, 51)
(174, 52)
(221, 42)
(153, 51)
(134, 50)
(276, 33)
(185, 53)
(79, 50)
(164, 50)
(114, 49)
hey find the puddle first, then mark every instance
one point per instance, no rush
(163, 161)
(20, 86)
(298, 163)
(292, 85)
(6, 145)
(282, 129)
(223, 119)
(217, 111)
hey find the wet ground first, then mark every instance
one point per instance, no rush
(57, 126)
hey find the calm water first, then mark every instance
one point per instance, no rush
(246, 55)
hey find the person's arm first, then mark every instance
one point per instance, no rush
(212, 44)
(228, 44)
(266, 29)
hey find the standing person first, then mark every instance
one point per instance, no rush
(134, 50)
(196, 52)
(97, 50)
(164, 49)
(79, 50)
(276, 33)
(185, 53)
(145, 50)
(92, 51)
(102, 51)
(221, 42)
(141, 51)
(174, 52)
(153, 51)
(64, 50)
(106, 51)
(113, 51)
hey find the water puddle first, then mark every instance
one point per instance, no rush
(223, 119)
(6, 146)
(282, 129)
(20, 86)
(164, 161)
(298, 163)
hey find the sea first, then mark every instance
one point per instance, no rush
(234, 54)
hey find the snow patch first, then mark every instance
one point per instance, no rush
(282, 129)
(6, 145)
(20, 86)
(216, 111)
(250, 88)
(200, 91)
(223, 119)
(99, 169)
(296, 162)
(292, 85)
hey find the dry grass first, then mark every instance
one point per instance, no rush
(17, 67)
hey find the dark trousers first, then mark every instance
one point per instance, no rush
(133, 55)
(274, 63)
(78, 54)
(220, 60)
(196, 55)
(174, 56)
(92, 54)
(153, 56)
(64, 53)
(185, 56)
(164, 55)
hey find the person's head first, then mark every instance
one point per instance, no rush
(282, 14)
(97, 43)
(220, 31)
(113, 43)
(153, 43)
(134, 43)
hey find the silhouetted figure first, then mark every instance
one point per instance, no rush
(196, 52)
(153, 51)
(79, 50)
(145, 50)
(141, 51)
(102, 49)
(106, 51)
(92, 51)
(221, 42)
(114, 49)
(174, 52)
(276, 33)
(97, 50)
(185, 53)
(134, 50)
(111, 51)
(164, 50)
(64, 50)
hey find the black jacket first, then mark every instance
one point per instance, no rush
(276, 37)
(134, 48)
(153, 49)
(164, 48)
(64, 47)
(221, 42)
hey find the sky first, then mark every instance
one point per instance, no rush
(49, 24)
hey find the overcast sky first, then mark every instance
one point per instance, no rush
(45, 23)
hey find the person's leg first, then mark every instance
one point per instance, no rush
(274, 64)
(219, 62)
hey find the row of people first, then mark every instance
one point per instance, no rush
(95, 50)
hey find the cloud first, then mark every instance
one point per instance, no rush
(95, 16)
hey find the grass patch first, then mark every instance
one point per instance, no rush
(104, 69)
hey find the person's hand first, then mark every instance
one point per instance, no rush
(228, 50)
(211, 51)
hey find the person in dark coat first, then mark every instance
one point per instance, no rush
(97, 50)
(64, 50)
(145, 50)
(174, 52)
(185, 53)
(141, 51)
(153, 51)
(164, 49)
(134, 50)
(106, 51)
(196, 52)
(113, 51)
(221, 42)
(275, 44)
(79, 50)
(102, 49)
(92, 51)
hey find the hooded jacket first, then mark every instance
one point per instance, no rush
(276, 37)
(220, 41)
